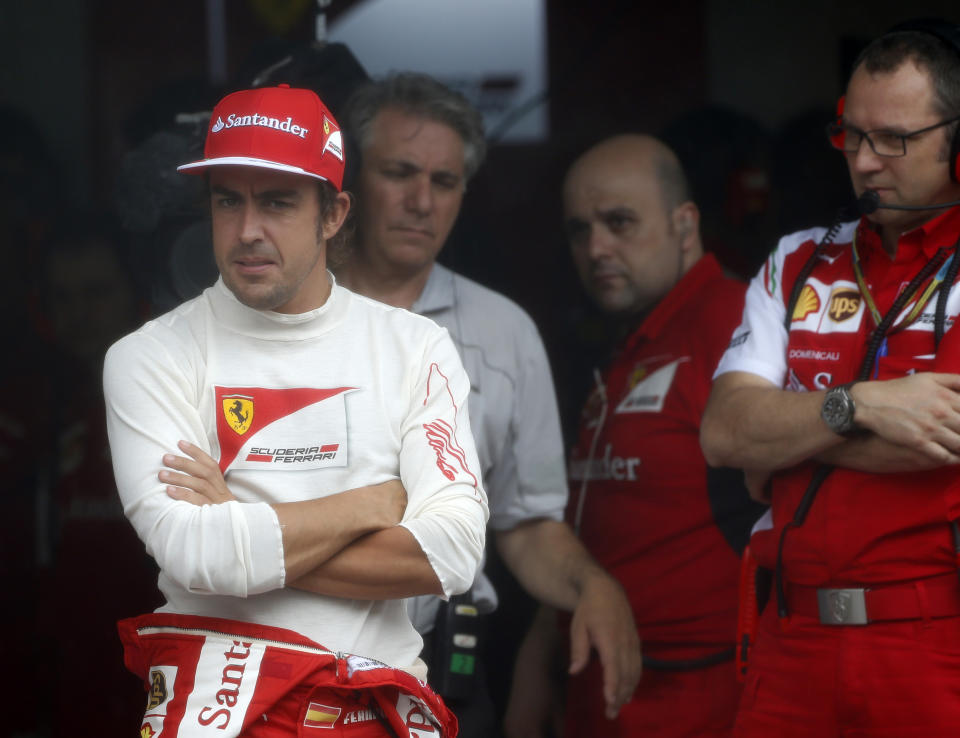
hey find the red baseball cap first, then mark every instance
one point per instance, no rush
(281, 128)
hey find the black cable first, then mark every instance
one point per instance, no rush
(820, 475)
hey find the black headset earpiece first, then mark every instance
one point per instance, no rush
(949, 33)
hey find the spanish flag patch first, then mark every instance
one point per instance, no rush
(321, 716)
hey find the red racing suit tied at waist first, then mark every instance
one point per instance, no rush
(216, 677)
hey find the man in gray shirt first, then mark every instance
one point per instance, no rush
(418, 143)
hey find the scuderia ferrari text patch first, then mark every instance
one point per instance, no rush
(297, 428)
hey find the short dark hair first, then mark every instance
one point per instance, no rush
(338, 244)
(929, 52)
(421, 95)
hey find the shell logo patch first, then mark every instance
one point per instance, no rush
(238, 412)
(809, 302)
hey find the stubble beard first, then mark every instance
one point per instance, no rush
(261, 296)
(274, 297)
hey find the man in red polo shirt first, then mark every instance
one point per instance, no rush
(642, 498)
(835, 384)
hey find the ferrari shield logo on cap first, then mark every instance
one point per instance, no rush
(238, 411)
(333, 139)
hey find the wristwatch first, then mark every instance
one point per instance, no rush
(838, 409)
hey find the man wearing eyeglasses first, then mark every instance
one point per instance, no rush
(838, 394)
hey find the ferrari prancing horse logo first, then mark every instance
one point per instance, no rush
(238, 411)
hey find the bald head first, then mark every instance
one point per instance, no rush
(632, 227)
(637, 156)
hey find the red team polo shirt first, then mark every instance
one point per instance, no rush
(863, 528)
(646, 514)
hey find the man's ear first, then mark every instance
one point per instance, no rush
(336, 215)
(686, 223)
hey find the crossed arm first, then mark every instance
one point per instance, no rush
(344, 545)
(909, 424)
(349, 545)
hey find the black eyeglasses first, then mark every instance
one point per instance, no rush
(883, 143)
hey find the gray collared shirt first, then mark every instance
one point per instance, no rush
(513, 410)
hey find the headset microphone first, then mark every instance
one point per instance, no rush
(869, 202)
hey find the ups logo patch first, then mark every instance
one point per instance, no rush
(158, 690)
(844, 304)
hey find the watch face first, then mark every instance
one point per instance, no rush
(837, 410)
(834, 410)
